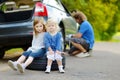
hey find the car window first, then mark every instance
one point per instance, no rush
(12, 11)
(55, 13)
(10, 5)
(15, 5)
(54, 3)
(71, 25)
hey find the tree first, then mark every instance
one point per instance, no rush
(103, 15)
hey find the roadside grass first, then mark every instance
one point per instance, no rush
(14, 50)
(116, 37)
(13, 53)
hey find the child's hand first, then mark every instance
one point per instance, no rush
(51, 52)
(58, 52)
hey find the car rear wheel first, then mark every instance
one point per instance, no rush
(2, 52)
(25, 48)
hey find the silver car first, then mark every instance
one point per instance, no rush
(55, 9)
(16, 22)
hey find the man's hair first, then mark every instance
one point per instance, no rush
(80, 15)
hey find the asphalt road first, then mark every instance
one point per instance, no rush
(102, 65)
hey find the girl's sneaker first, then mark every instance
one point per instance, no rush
(13, 65)
(21, 67)
(61, 69)
(48, 68)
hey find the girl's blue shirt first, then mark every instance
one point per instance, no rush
(53, 41)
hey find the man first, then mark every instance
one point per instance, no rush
(83, 40)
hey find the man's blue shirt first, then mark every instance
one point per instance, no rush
(87, 33)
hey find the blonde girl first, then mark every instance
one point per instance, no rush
(52, 41)
(36, 50)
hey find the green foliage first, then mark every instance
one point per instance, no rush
(102, 14)
(2, 7)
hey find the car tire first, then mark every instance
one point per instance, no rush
(25, 48)
(2, 52)
(41, 63)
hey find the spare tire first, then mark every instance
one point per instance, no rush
(41, 63)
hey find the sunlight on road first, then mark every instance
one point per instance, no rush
(5, 68)
(107, 46)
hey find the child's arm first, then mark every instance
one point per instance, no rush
(50, 50)
(46, 41)
(59, 44)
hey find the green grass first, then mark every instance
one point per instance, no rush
(14, 50)
(116, 37)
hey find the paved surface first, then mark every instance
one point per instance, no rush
(102, 65)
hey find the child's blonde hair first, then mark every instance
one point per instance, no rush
(36, 21)
(53, 22)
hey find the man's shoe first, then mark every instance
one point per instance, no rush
(82, 55)
(90, 52)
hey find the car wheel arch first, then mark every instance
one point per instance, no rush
(62, 26)
(2, 53)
